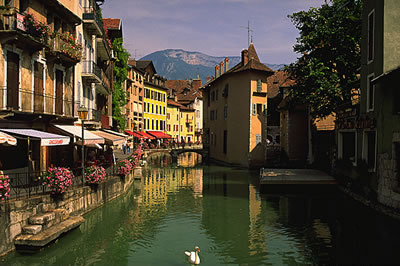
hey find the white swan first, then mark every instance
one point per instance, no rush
(194, 256)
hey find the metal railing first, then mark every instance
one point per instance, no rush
(90, 67)
(68, 48)
(28, 184)
(26, 100)
(92, 13)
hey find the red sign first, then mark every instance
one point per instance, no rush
(20, 22)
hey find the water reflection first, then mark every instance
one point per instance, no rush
(173, 208)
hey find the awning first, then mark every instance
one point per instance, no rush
(46, 139)
(145, 135)
(6, 139)
(159, 134)
(76, 131)
(138, 135)
(110, 139)
(130, 133)
(115, 133)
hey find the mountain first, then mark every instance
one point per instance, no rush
(181, 64)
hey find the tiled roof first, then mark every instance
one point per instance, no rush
(182, 107)
(112, 23)
(142, 64)
(276, 81)
(252, 64)
(184, 90)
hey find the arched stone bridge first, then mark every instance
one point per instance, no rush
(175, 152)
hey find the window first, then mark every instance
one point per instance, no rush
(164, 110)
(156, 124)
(168, 115)
(181, 128)
(369, 152)
(216, 94)
(371, 33)
(156, 109)
(212, 96)
(259, 85)
(177, 116)
(258, 139)
(225, 147)
(347, 146)
(254, 112)
(225, 112)
(216, 114)
(212, 115)
(152, 108)
(145, 123)
(226, 91)
(265, 109)
(152, 123)
(370, 93)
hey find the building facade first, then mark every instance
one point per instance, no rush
(235, 104)
(37, 72)
(134, 92)
(154, 98)
(188, 94)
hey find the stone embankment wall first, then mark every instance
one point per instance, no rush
(14, 214)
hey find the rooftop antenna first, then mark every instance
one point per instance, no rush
(248, 33)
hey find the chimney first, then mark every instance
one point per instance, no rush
(216, 71)
(207, 78)
(221, 66)
(226, 64)
(245, 57)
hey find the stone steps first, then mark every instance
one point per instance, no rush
(44, 228)
(34, 242)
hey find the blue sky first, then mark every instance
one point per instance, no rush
(213, 27)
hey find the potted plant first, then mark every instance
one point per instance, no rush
(4, 187)
(94, 175)
(58, 180)
(124, 167)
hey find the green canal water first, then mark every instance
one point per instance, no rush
(175, 207)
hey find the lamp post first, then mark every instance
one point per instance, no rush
(82, 114)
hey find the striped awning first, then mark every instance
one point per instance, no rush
(6, 139)
(46, 139)
(76, 131)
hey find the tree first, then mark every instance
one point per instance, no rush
(121, 74)
(329, 44)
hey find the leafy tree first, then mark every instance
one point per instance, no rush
(121, 73)
(329, 44)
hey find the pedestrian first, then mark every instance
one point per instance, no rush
(129, 147)
(124, 147)
(158, 143)
(183, 142)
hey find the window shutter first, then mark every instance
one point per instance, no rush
(254, 109)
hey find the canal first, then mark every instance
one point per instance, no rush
(175, 207)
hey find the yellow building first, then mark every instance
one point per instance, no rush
(154, 98)
(180, 122)
(235, 105)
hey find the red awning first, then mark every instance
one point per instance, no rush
(159, 134)
(145, 135)
(137, 135)
(129, 132)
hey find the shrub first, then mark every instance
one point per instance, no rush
(58, 179)
(95, 174)
(4, 187)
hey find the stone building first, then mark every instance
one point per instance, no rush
(235, 104)
(378, 140)
(36, 76)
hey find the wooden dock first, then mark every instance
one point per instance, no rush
(295, 177)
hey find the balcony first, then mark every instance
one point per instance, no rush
(16, 28)
(92, 73)
(92, 21)
(64, 48)
(104, 48)
(26, 101)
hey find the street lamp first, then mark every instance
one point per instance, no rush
(82, 114)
